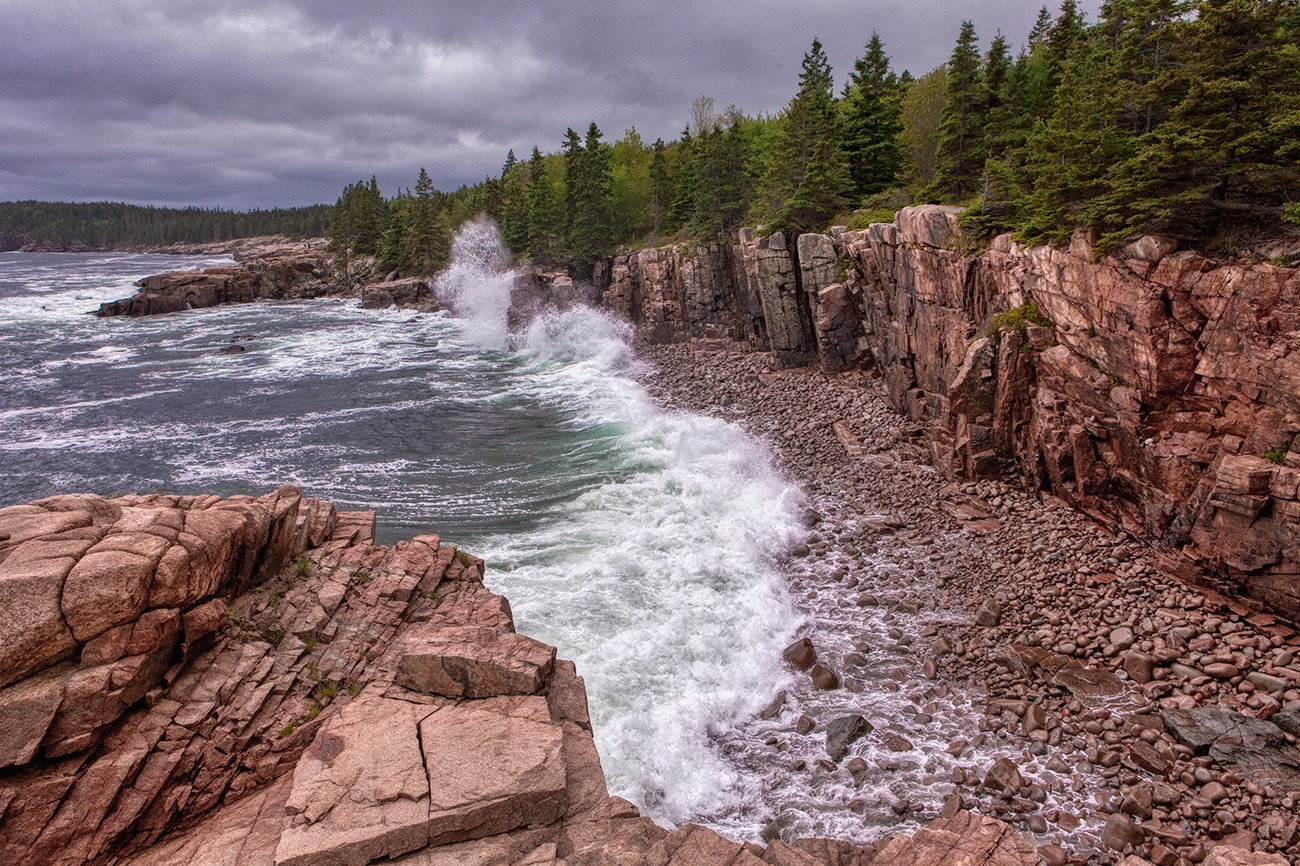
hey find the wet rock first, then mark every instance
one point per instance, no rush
(772, 710)
(1121, 832)
(842, 732)
(804, 725)
(1004, 775)
(801, 654)
(824, 678)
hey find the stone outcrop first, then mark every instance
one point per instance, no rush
(673, 294)
(292, 275)
(402, 292)
(1155, 389)
(252, 682)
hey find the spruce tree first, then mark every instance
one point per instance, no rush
(545, 220)
(682, 205)
(588, 187)
(870, 122)
(807, 180)
(514, 204)
(1227, 154)
(426, 243)
(571, 151)
(661, 193)
(959, 161)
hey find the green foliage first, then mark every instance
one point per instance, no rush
(1019, 319)
(303, 568)
(545, 216)
(362, 576)
(357, 223)
(871, 122)
(309, 645)
(588, 194)
(1276, 455)
(325, 691)
(921, 111)
(807, 178)
(514, 204)
(631, 189)
(1291, 213)
(961, 148)
(274, 635)
(111, 225)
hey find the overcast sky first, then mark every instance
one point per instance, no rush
(261, 104)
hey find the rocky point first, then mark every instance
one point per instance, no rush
(248, 681)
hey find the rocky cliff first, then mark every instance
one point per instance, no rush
(1155, 389)
(252, 681)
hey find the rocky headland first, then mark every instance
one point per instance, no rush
(253, 681)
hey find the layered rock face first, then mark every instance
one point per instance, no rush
(292, 275)
(253, 682)
(1157, 390)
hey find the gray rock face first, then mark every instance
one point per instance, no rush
(844, 732)
(1248, 745)
(770, 272)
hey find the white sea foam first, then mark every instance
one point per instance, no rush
(661, 580)
(662, 583)
(477, 285)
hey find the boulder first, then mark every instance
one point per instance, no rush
(466, 662)
(801, 654)
(844, 732)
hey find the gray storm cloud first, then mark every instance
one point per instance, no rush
(256, 104)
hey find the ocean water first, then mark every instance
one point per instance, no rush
(647, 545)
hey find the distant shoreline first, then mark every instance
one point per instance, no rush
(240, 248)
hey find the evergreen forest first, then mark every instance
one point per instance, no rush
(112, 225)
(1176, 117)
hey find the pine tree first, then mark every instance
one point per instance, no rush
(1228, 152)
(426, 243)
(545, 221)
(588, 186)
(959, 161)
(661, 193)
(571, 151)
(1068, 156)
(682, 206)
(807, 180)
(1042, 26)
(514, 204)
(870, 122)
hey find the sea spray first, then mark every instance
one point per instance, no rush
(662, 582)
(661, 578)
(478, 283)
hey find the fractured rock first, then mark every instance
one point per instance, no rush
(360, 791)
(467, 662)
(493, 765)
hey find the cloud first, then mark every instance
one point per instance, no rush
(257, 104)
